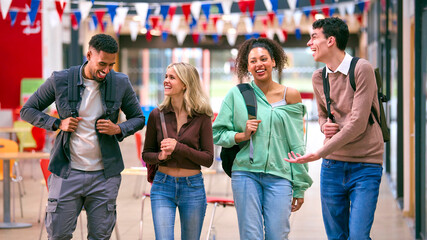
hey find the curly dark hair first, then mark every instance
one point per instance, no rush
(104, 42)
(274, 49)
(334, 27)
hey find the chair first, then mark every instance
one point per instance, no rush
(7, 145)
(144, 196)
(44, 164)
(25, 138)
(140, 184)
(216, 201)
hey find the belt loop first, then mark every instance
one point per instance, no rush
(164, 178)
(188, 181)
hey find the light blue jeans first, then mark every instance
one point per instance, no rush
(186, 193)
(349, 194)
(263, 203)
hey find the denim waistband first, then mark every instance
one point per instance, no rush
(168, 178)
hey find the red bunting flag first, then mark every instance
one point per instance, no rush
(74, 23)
(215, 19)
(313, 14)
(285, 34)
(171, 13)
(360, 18)
(265, 21)
(148, 36)
(195, 37)
(263, 35)
(325, 11)
(60, 8)
(322, 1)
(205, 26)
(247, 5)
(155, 21)
(271, 16)
(186, 10)
(313, 2)
(251, 7)
(99, 15)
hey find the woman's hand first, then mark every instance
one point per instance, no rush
(296, 204)
(309, 157)
(167, 146)
(251, 128)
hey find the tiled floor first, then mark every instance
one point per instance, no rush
(306, 224)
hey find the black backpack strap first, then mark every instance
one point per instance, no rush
(73, 89)
(353, 85)
(250, 99)
(326, 92)
(110, 92)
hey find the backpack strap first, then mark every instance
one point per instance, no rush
(248, 94)
(73, 89)
(353, 85)
(163, 123)
(110, 92)
(326, 92)
(251, 105)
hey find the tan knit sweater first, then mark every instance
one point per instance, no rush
(357, 140)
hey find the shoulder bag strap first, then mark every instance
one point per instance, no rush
(162, 121)
(110, 92)
(251, 105)
(73, 90)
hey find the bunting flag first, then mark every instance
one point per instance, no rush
(288, 16)
(350, 8)
(175, 23)
(280, 18)
(205, 26)
(268, 5)
(256, 35)
(142, 11)
(313, 2)
(235, 18)
(180, 37)
(133, 27)
(360, 19)
(13, 14)
(186, 10)
(231, 38)
(322, 1)
(172, 10)
(226, 6)
(32, 13)
(264, 21)
(326, 11)
(99, 15)
(306, 11)
(298, 33)
(248, 24)
(5, 5)
(292, 5)
(215, 38)
(193, 23)
(84, 8)
(196, 37)
(215, 19)
(155, 21)
(275, 5)
(297, 17)
(53, 18)
(164, 36)
(74, 23)
(313, 14)
(195, 9)
(331, 11)
(220, 27)
(164, 10)
(271, 16)
(263, 35)
(361, 6)
(248, 36)
(253, 19)
(112, 8)
(247, 5)
(119, 20)
(341, 9)
(148, 36)
(94, 23)
(280, 36)
(206, 8)
(219, 6)
(60, 8)
(270, 33)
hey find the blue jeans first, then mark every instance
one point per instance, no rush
(262, 200)
(186, 193)
(349, 194)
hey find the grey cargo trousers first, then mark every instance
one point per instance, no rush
(67, 197)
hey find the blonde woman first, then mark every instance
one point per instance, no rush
(189, 145)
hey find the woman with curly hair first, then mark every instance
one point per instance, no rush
(266, 189)
(178, 182)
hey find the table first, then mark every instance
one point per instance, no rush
(12, 130)
(6, 157)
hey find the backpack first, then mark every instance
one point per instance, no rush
(229, 154)
(381, 98)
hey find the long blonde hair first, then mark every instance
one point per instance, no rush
(195, 98)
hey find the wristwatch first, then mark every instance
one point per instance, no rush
(56, 124)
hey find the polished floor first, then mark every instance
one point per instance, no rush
(306, 224)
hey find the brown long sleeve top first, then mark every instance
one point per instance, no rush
(356, 140)
(194, 147)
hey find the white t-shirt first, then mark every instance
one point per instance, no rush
(84, 145)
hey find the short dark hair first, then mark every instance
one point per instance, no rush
(104, 42)
(334, 27)
(273, 48)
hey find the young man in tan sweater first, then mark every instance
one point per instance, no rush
(353, 146)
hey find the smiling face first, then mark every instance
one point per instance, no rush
(173, 85)
(99, 64)
(319, 44)
(260, 64)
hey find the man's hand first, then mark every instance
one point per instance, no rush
(69, 124)
(330, 128)
(309, 157)
(296, 204)
(107, 127)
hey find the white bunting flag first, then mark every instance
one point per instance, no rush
(120, 18)
(219, 27)
(297, 17)
(231, 37)
(141, 10)
(268, 5)
(235, 18)
(180, 36)
(175, 23)
(84, 8)
(292, 4)
(134, 29)
(5, 5)
(248, 24)
(195, 9)
(226, 6)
